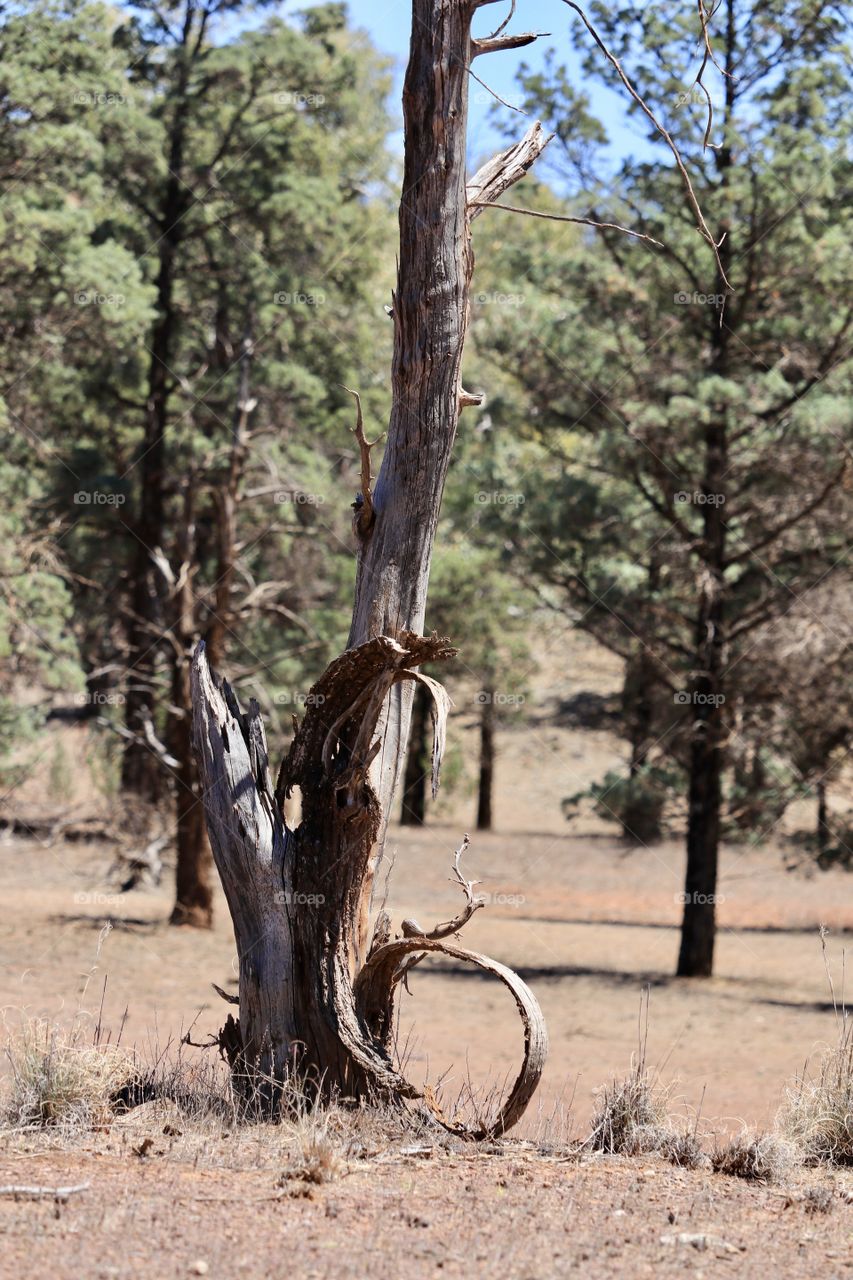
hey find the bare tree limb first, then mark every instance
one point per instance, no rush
(363, 505)
(411, 928)
(497, 97)
(561, 217)
(59, 1194)
(495, 44)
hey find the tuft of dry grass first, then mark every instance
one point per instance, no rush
(758, 1157)
(817, 1200)
(817, 1116)
(633, 1118)
(630, 1116)
(681, 1147)
(58, 1079)
(317, 1159)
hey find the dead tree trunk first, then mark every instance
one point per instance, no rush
(317, 985)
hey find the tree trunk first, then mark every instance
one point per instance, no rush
(487, 761)
(317, 985)
(194, 894)
(413, 810)
(430, 318)
(707, 694)
(141, 771)
(194, 871)
(227, 502)
(822, 817)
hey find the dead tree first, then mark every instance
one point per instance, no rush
(317, 984)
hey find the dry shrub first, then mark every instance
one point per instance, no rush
(819, 1200)
(317, 1158)
(631, 1115)
(818, 1113)
(681, 1147)
(60, 1079)
(632, 1118)
(756, 1157)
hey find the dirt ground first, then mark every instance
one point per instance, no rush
(589, 924)
(515, 1215)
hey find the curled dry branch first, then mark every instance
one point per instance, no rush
(317, 991)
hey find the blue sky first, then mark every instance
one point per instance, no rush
(388, 24)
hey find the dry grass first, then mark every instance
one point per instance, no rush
(817, 1117)
(758, 1157)
(631, 1115)
(58, 1079)
(818, 1113)
(633, 1118)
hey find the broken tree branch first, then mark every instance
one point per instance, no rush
(363, 505)
(505, 169)
(59, 1194)
(495, 44)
